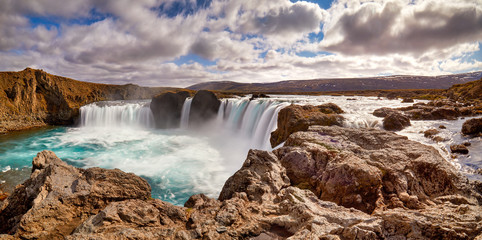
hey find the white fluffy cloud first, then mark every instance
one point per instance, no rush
(126, 41)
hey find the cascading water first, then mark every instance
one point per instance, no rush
(116, 114)
(186, 107)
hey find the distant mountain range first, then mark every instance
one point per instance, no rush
(344, 84)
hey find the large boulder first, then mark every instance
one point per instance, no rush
(368, 169)
(472, 126)
(295, 118)
(395, 122)
(57, 197)
(167, 109)
(204, 107)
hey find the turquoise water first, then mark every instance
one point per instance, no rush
(176, 165)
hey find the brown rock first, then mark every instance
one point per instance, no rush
(459, 148)
(383, 112)
(167, 109)
(472, 126)
(395, 122)
(442, 127)
(407, 100)
(58, 197)
(361, 168)
(298, 118)
(34, 98)
(430, 133)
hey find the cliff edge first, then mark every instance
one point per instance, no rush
(33, 98)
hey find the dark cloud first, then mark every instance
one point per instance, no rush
(394, 28)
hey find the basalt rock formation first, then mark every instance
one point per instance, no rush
(330, 182)
(167, 108)
(298, 118)
(32, 98)
(204, 107)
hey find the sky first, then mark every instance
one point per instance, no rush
(183, 42)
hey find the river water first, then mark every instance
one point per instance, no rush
(185, 161)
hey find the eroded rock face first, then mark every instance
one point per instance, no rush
(326, 182)
(33, 98)
(367, 169)
(167, 109)
(298, 118)
(204, 107)
(58, 197)
(472, 127)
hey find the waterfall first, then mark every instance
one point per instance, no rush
(254, 119)
(186, 108)
(116, 114)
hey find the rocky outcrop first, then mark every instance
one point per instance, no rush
(395, 122)
(204, 107)
(326, 182)
(459, 148)
(33, 98)
(167, 109)
(298, 118)
(58, 197)
(472, 127)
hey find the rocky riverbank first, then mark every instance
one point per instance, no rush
(327, 181)
(34, 98)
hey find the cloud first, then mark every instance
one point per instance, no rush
(385, 27)
(146, 41)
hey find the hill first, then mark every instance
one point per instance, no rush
(32, 98)
(343, 84)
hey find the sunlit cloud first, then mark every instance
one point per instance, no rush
(183, 42)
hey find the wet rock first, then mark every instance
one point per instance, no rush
(459, 148)
(442, 127)
(467, 144)
(258, 95)
(430, 133)
(204, 107)
(383, 112)
(58, 197)
(395, 122)
(472, 126)
(167, 109)
(298, 118)
(407, 100)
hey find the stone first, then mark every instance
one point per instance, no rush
(362, 168)
(442, 127)
(260, 176)
(472, 126)
(204, 107)
(58, 197)
(459, 148)
(407, 100)
(295, 118)
(395, 122)
(167, 109)
(383, 112)
(430, 133)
